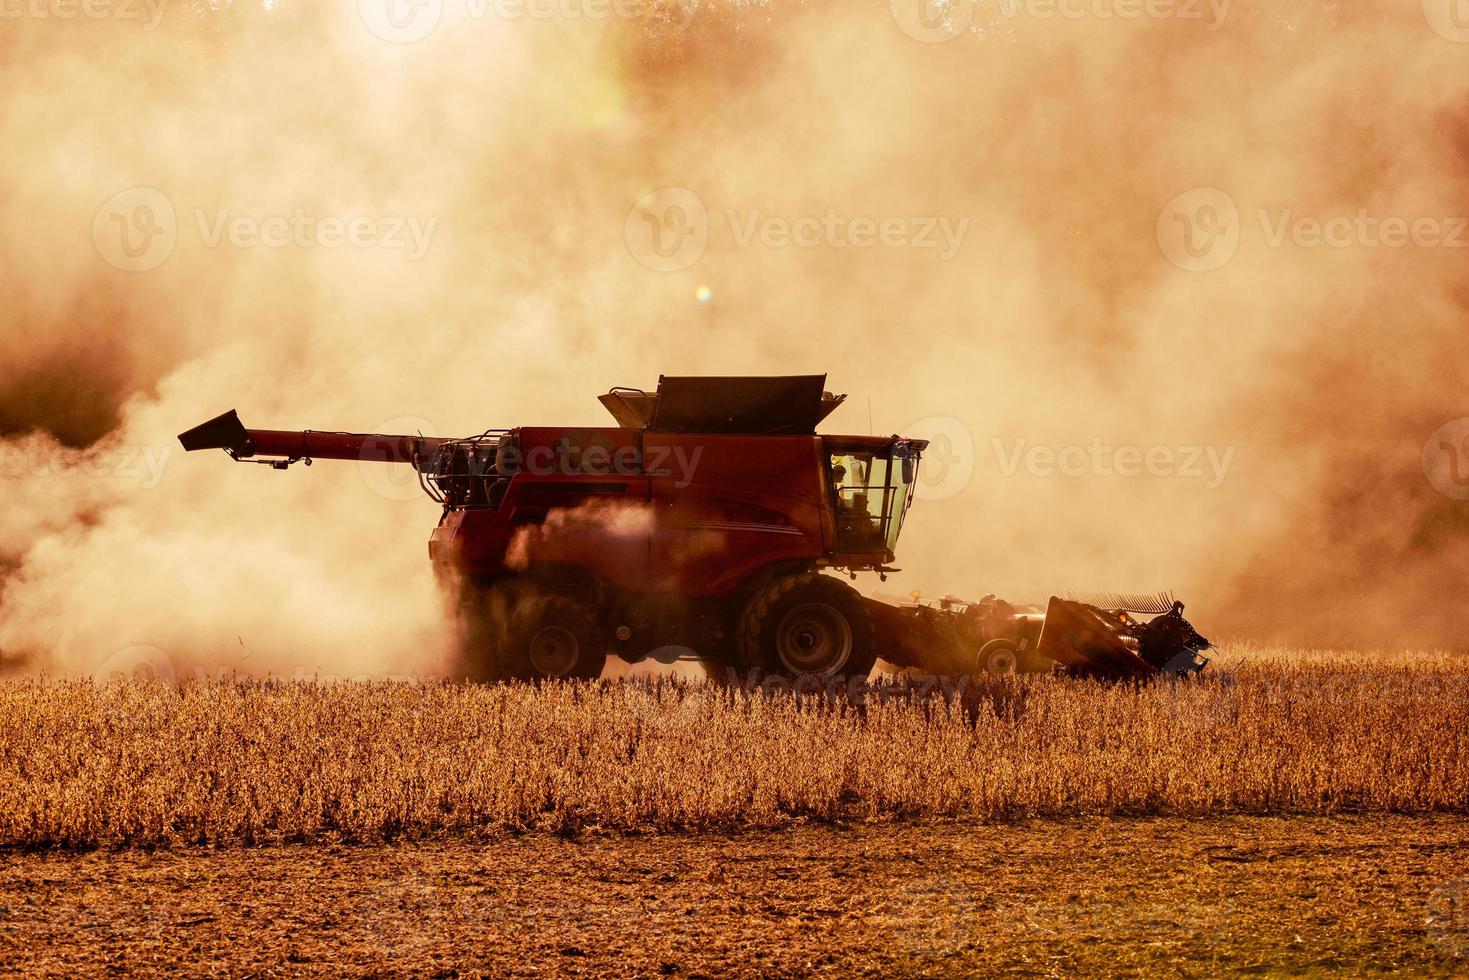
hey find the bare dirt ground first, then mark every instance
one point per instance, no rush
(1378, 894)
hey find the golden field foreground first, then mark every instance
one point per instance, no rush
(145, 763)
(1095, 896)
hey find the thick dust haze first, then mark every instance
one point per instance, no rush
(1023, 292)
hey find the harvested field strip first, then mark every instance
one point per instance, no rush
(141, 763)
(1297, 896)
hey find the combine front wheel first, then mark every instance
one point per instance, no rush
(808, 626)
(552, 636)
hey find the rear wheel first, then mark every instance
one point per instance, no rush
(552, 636)
(808, 626)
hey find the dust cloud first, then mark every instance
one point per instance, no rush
(1017, 301)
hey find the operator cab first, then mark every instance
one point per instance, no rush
(872, 486)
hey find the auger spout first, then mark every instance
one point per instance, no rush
(228, 433)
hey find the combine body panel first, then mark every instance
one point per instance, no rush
(727, 506)
(695, 514)
(703, 519)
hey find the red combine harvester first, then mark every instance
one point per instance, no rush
(704, 518)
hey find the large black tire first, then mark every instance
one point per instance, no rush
(998, 657)
(551, 636)
(482, 614)
(808, 625)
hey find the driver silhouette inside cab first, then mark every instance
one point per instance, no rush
(856, 527)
